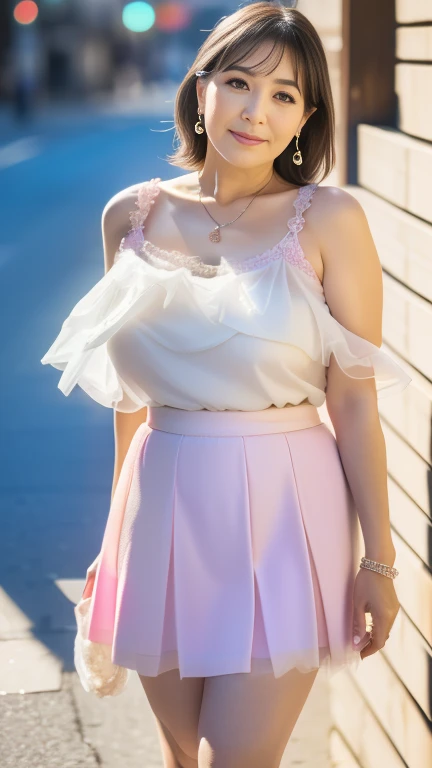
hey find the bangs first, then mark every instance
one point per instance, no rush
(248, 44)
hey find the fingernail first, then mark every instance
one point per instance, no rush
(356, 639)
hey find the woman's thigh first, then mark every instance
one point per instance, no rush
(176, 705)
(247, 718)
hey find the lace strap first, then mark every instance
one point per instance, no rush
(301, 203)
(147, 193)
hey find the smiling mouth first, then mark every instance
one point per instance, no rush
(247, 139)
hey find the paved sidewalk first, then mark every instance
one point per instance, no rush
(70, 728)
(54, 723)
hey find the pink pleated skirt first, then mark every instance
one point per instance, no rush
(230, 546)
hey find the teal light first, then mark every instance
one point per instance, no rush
(138, 17)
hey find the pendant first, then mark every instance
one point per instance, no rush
(214, 235)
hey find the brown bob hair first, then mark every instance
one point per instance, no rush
(231, 40)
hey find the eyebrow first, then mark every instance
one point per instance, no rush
(239, 68)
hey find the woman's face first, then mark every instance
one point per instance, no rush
(258, 105)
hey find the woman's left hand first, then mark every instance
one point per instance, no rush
(374, 593)
(90, 578)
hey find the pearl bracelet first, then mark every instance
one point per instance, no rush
(386, 570)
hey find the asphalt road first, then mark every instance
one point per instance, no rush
(57, 453)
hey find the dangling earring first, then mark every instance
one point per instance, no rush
(199, 128)
(297, 158)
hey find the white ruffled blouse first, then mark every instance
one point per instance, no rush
(164, 328)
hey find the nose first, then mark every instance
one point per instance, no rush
(254, 111)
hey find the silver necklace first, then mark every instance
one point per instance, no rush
(214, 235)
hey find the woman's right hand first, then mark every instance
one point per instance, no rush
(91, 575)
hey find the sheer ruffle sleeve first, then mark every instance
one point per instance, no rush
(80, 350)
(356, 356)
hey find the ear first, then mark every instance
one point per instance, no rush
(306, 117)
(200, 90)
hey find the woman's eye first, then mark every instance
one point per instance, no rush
(235, 80)
(283, 93)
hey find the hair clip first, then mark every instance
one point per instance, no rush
(201, 72)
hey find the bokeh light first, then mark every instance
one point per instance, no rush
(172, 17)
(138, 16)
(25, 12)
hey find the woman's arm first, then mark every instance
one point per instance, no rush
(354, 293)
(115, 224)
(125, 426)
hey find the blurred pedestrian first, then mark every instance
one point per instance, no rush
(25, 69)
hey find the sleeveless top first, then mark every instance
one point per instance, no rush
(164, 328)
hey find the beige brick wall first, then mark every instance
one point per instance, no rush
(382, 713)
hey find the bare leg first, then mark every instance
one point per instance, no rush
(246, 719)
(176, 706)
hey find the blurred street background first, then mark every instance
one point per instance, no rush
(87, 89)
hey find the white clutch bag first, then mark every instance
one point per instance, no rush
(96, 671)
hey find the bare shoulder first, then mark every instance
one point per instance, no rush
(334, 203)
(115, 215)
(337, 219)
(352, 268)
(116, 221)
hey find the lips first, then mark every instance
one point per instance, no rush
(244, 140)
(248, 136)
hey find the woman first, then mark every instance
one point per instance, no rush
(227, 575)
